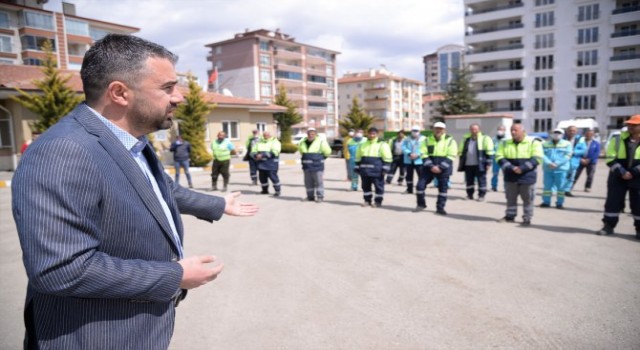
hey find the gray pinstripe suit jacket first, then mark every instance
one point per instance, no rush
(96, 244)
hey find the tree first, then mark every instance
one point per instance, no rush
(460, 97)
(57, 98)
(192, 123)
(286, 119)
(356, 119)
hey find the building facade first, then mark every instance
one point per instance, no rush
(255, 64)
(430, 105)
(545, 61)
(25, 26)
(438, 66)
(395, 102)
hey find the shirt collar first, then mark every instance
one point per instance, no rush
(130, 142)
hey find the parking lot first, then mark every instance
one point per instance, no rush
(338, 276)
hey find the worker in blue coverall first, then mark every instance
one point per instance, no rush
(352, 146)
(579, 149)
(555, 165)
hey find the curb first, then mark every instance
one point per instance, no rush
(172, 171)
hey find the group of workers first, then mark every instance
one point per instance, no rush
(421, 160)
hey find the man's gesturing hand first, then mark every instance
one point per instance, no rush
(196, 273)
(234, 207)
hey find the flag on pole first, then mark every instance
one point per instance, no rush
(214, 76)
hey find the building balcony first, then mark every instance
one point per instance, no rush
(494, 13)
(506, 109)
(499, 94)
(625, 80)
(313, 98)
(316, 59)
(288, 82)
(626, 9)
(320, 72)
(499, 74)
(497, 53)
(624, 41)
(625, 57)
(622, 33)
(513, 31)
(493, 9)
(288, 68)
(495, 29)
(623, 110)
(282, 53)
(624, 104)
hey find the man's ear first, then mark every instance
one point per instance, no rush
(119, 93)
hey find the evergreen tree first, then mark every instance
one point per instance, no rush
(57, 98)
(192, 116)
(460, 97)
(356, 119)
(286, 119)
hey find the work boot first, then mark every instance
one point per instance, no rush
(480, 199)
(365, 204)
(587, 190)
(608, 230)
(319, 200)
(264, 192)
(254, 183)
(441, 212)
(214, 188)
(190, 185)
(545, 205)
(559, 206)
(506, 219)
(224, 189)
(407, 192)
(638, 233)
(376, 205)
(526, 222)
(419, 209)
(277, 194)
(568, 194)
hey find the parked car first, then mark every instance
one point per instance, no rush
(337, 147)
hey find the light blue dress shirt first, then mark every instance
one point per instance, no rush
(135, 147)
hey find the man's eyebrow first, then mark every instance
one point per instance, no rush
(169, 83)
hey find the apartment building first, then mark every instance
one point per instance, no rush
(25, 26)
(430, 104)
(395, 102)
(549, 60)
(438, 66)
(254, 64)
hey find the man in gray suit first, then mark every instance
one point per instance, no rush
(99, 220)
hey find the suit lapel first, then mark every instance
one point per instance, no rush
(123, 159)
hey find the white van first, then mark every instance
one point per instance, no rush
(582, 125)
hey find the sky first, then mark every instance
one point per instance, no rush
(367, 33)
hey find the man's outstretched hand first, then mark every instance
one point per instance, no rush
(197, 272)
(234, 207)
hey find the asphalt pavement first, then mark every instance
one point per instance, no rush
(335, 275)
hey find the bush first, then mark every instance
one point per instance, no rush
(200, 157)
(289, 148)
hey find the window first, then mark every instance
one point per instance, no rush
(544, 41)
(4, 20)
(37, 20)
(316, 92)
(97, 34)
(280, 74)
(543, 83)
(30, 42)
(32, 62)
(543, 104)
(231, 129)
(5, 44)
(265, 59)
(444, 70)
(76, 27)
(317, 105)
(587, 58)
(588, 12)
(544, 2)
(586, 80)
(265, 75)
(544, 62)
(264, 46)
(76, 49)
(316, 79)
(265, 90)
(588, 35)
(262, 127)
(585, 102)
(330, 95)
(5, 134)
(329, 71)
(218, 50)
(542, 125)
(544, 19)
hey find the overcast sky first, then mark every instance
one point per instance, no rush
(367, 33)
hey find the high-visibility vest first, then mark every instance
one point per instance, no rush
(313, 155)
(620, 162)
(270, 150)
(484, 145)
(526, 155)
(372, 157)
(221, 150)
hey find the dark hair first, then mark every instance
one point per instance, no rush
(117, 57)
(372, 129)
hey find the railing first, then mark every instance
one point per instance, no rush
(625, 33)
(494, 49)
(624, 104)
(496, 89)
(544, 45)
(625, 80)
(506, 109)
(625, 9)
(624, 57)
(495, 29)
(501, 69)
(492, 9)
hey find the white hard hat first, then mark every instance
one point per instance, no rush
(440, 125)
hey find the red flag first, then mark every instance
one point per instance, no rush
(214, 76)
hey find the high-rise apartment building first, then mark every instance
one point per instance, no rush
(255, 64)
(438, 67)
(395, 102)
(551, 60)
(25, 26)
